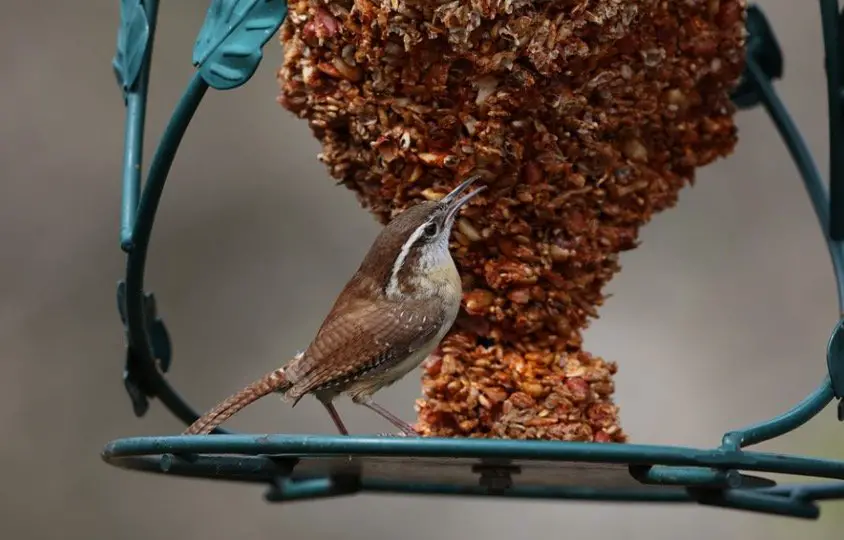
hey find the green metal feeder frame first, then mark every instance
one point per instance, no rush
(295, 467)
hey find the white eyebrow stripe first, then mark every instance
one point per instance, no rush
(393, 284)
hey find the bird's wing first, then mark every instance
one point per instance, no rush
(362, 337)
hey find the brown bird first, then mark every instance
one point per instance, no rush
(391, 315)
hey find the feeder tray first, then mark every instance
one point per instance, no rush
(227, 53)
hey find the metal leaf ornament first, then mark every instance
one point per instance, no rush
(132, 43)
(133, 380)
(228, 47)
(762, 47)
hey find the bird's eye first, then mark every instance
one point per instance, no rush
(430, 229)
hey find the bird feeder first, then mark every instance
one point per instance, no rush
(585, 118)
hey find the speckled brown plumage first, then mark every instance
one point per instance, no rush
(274, 381)
(361, 339)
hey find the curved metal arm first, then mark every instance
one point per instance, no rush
(226, 55)
(831, 20)
(143, 355)
(824, 394)
(806, 166)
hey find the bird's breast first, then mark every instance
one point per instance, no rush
(444, 280)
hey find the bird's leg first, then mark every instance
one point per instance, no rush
(406, 428)
(335, 416)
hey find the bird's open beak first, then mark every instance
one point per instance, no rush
(454, 201)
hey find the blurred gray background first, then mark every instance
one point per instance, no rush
(719, 319)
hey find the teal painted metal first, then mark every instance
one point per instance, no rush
(694, 477)
(835, 365)
(229, 47)
(760, 79)
(804, 411)
(762, 46)
(682, 475)
(131, 67)
(226, 55)
(133, 38)
(831, 22)
(142, 375)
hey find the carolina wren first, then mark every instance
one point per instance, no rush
(391, 315)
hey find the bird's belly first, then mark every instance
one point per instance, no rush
(367, 385)
(410, 363)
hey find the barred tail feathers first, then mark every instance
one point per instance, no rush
(274, 381)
